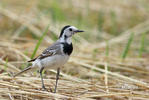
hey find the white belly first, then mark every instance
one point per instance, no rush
(52, 62)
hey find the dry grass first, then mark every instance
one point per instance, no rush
(90, 73)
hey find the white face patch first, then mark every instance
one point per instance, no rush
(67, 35)
(69, 31)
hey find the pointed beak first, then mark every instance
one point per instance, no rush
(79, 31)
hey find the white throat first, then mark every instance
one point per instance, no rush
(67, 40)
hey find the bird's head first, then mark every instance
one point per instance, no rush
(68, 31)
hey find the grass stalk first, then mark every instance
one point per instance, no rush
(107, 48)
(100, 20)
(5, 65)
(39, 42)
(106, 77)
(142, 44)
(114, 23)
(125, 52)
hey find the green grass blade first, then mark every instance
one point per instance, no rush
(39, 42)
(113, 23)
(5, 65)
(142, 44)
(107, 48)
(100, 20)
(125, 52)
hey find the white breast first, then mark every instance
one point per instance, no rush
(52, 62)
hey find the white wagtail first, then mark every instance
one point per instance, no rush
(56, 55)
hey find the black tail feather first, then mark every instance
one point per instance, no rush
(24, 70)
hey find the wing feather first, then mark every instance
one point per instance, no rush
(50, 51)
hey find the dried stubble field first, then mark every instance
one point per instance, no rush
(110, 60)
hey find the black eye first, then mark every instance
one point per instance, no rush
(70, 29)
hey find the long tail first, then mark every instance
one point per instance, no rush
(24, 70)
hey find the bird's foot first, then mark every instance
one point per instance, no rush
(45, 89)
(51, 90)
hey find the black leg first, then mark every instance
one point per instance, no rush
(57, 77)
(40, 71)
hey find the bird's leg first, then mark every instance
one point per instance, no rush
(57, 77)
(40, 71)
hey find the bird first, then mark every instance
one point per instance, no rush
(55, 56)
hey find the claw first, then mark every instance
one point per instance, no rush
(43, 87)
(51, 90)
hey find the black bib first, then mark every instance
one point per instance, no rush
(67, 48)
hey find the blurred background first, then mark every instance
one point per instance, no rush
(101, 19)
(116, 35)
